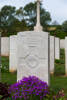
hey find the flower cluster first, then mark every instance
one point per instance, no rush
(4, 91)
(60, 95)
(29, 88)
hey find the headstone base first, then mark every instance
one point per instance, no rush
(38, 28)
(51, 73)
(12, 71)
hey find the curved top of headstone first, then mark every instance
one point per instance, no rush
(13, 36)
(32, 32)
(65, 37)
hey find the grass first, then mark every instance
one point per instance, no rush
(58, 83)
(58, 80)
(9, 78)
(60, 64)
(5, 64)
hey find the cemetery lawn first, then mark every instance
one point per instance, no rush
(58, 80)
(9, 78)
(5, 63)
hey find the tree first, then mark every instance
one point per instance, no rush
(64, 26)
(20, 13)
(7, 16)
(13, 21)
(17, 26)
(30, 15)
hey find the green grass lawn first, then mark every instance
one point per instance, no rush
(5, 64)
(60, 64)
(58, 80)
(9, 78)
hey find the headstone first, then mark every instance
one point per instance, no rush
(66, 55)
(62, 43)
(57, 48)
(33, 55)
(5, 46)
(52, 54)
(13, 53)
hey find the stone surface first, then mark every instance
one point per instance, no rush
(5, 46)
(33, 55)
(52, 54)
(62, 43)
(57, 48)
(13, 53)
(66, 55)
(38, 26)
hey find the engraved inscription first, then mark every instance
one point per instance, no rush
(32, 61)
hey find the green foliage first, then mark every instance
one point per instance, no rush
(61, 61)
(57, 61)
(17, 26)
(7, 14)
(64, 26)
(30, 13)
(10, 22)
(5, 64)
(13, 20)
(59, 33)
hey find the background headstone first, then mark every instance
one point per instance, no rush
(62, 43)
(57, 48)
(5, 46)
(33, 55)
(13, 53)
(52, 54)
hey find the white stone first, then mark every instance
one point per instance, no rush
(13, 53)
(52, 54)
(38, 26)
(62, 43)
(57, 48)
(5, 46)
(33, 55)
(66, 55)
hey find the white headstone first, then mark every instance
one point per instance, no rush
(5, 44)
(57, 48)
(62, 43)
(52, 54)
(66, 55)
(33, 55)
(13, 53)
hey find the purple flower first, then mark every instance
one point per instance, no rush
(27, 87)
